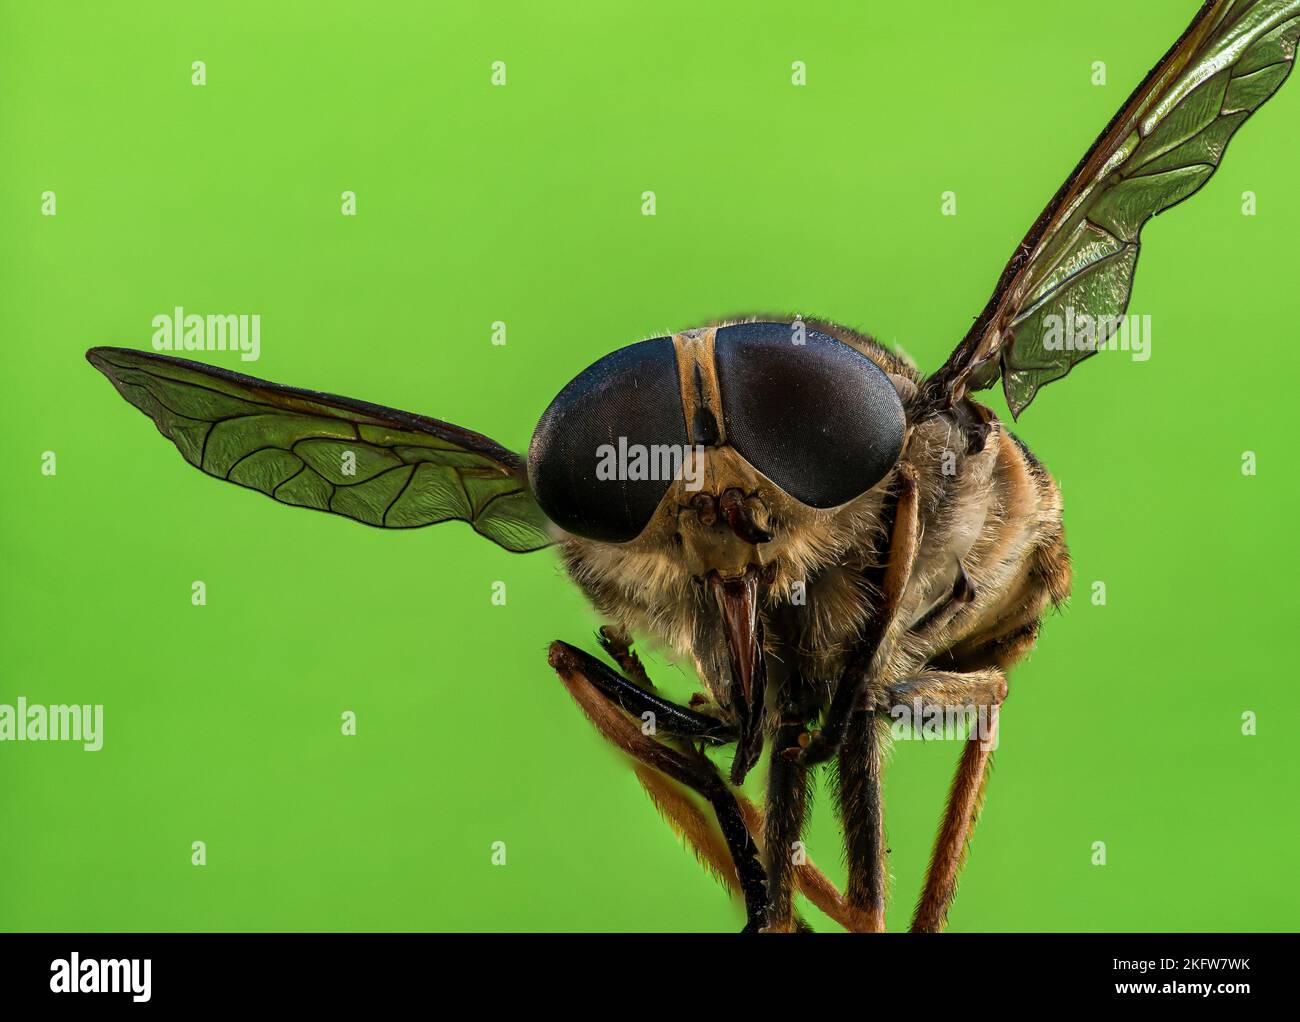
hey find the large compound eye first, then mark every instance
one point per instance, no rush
(601, 457)
(820, 419)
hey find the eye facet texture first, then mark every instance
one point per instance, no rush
(625, 407)
(820, 419)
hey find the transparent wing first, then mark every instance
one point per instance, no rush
(1163, 145)
(377, 465)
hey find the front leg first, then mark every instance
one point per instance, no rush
(890, 579)
(657, 715)
(862, 816)
(607, 699)
(787, 798)
(618, 645)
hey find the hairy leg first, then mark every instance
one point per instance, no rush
(787, 799)
(608, 704)
(973, 674)
(890, 580)
(982, 692)
(862, 816)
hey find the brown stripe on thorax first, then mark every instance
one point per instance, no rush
(701, 395)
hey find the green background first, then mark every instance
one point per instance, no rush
(523, 204)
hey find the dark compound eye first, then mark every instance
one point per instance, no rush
(820, 419)
(622, 413)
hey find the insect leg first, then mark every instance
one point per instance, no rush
(618, 645)
(890, 579)
(597, 691)
(658, 715)
(691, 822)
(939, 690)
(862, 816)
(949, 690)
(973, 674)
(787, 795)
